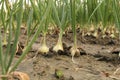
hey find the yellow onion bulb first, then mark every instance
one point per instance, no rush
(58, 47)
(74, 51)
(43, 49)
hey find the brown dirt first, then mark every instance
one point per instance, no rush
(98, 59)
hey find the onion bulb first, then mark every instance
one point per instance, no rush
(112, 35)
(92, 28)
(5, 42)
(43, 49)
(95, 34)
(58, 46)
(74, 51)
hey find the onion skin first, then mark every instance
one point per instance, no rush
(43, 49)
(58, 47)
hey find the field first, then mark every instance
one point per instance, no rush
(60, 40)
(98, 59)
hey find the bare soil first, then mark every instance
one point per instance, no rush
(97, 61)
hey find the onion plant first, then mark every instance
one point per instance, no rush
(95, 12)
(74, 50)
(61, 20)
(6, 59)
(41, 21)
(44, 49)
(39, 9)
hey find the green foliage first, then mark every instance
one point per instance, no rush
(96, 11)
(18, 11)
(38, 14)
(116, 12)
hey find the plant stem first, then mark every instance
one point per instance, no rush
(60, 36)
(73, 20)
(44, 38)
(75, 40)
